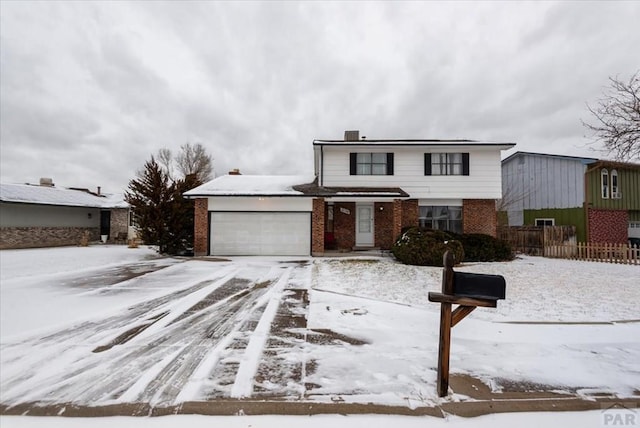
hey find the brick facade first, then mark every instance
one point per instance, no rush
(397, 217)
(344, 224)
(383, 220)
(410, 211)
(479, 216)
(36, 237)
(201, 227)
(317, 227)
(608, 226)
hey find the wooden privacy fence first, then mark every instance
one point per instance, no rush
(533, 240)
(560, 242)
(608, 253)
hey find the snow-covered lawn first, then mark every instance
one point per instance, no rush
(538, 289)
(541, 334)
(108, 325)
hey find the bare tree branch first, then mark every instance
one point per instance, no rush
(165, 160)
(193, 159)
(617, 118)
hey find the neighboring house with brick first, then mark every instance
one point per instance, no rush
(47, 216)
(600, 198)
(612, 198)
(362, 194)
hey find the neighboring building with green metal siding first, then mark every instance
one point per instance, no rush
(613, 200)
(600, 198)
(561, 216)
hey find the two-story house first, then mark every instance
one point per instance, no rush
(600, 198)
(362, 194)
(612, 201)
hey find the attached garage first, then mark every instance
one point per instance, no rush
(260, 233)
(253, 215)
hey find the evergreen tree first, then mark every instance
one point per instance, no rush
(180, 221)
(163, 216)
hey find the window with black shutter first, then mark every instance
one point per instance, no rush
(371, 163)
(446, 164)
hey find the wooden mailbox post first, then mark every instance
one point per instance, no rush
(468, 290)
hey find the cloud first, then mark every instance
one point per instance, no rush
(90, 90)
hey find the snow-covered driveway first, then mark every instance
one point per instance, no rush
(107, 325)
(197, 330)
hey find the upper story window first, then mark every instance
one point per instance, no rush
(371, 163)
(446, 164)
(615, 190)
(604, 182)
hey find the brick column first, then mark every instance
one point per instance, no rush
(201, 227)
(480, 216)
(317, 227)
(410, 213)
(344, 225)
(383, 225)
(397, 218)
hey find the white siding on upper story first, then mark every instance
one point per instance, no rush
(265, 204)
(542, 182)
(483, 181)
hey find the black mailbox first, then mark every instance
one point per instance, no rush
(478, 285)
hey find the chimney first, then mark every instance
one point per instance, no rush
(235, 171)
(46, 182)
(351, 135)
(98, 190)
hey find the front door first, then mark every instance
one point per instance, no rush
(364, 225)
(105, 222)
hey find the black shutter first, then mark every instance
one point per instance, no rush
(465, 164)
(353, 159)
(389, 163)
(427, 164)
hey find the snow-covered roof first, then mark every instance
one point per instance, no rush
(115, 200)
(43, 195)
(252, 185)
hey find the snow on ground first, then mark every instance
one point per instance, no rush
(538, 289)
(44, 288)
(521, 420)
(577, 357)
(107, 325)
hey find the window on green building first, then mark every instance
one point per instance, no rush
(604, 182)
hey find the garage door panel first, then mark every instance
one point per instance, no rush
(234, 233)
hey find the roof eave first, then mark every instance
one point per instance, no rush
(400, 143)
(245, 195)
(52, 204)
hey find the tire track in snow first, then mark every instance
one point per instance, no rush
(133, 359)
(202, 355)
(163, 364)
(243, 385)
(46, 365)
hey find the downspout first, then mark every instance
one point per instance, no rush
(321, 165)
(586, 204)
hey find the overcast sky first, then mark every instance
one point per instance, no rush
(90, 90)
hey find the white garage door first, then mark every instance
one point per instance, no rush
(260, 233)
